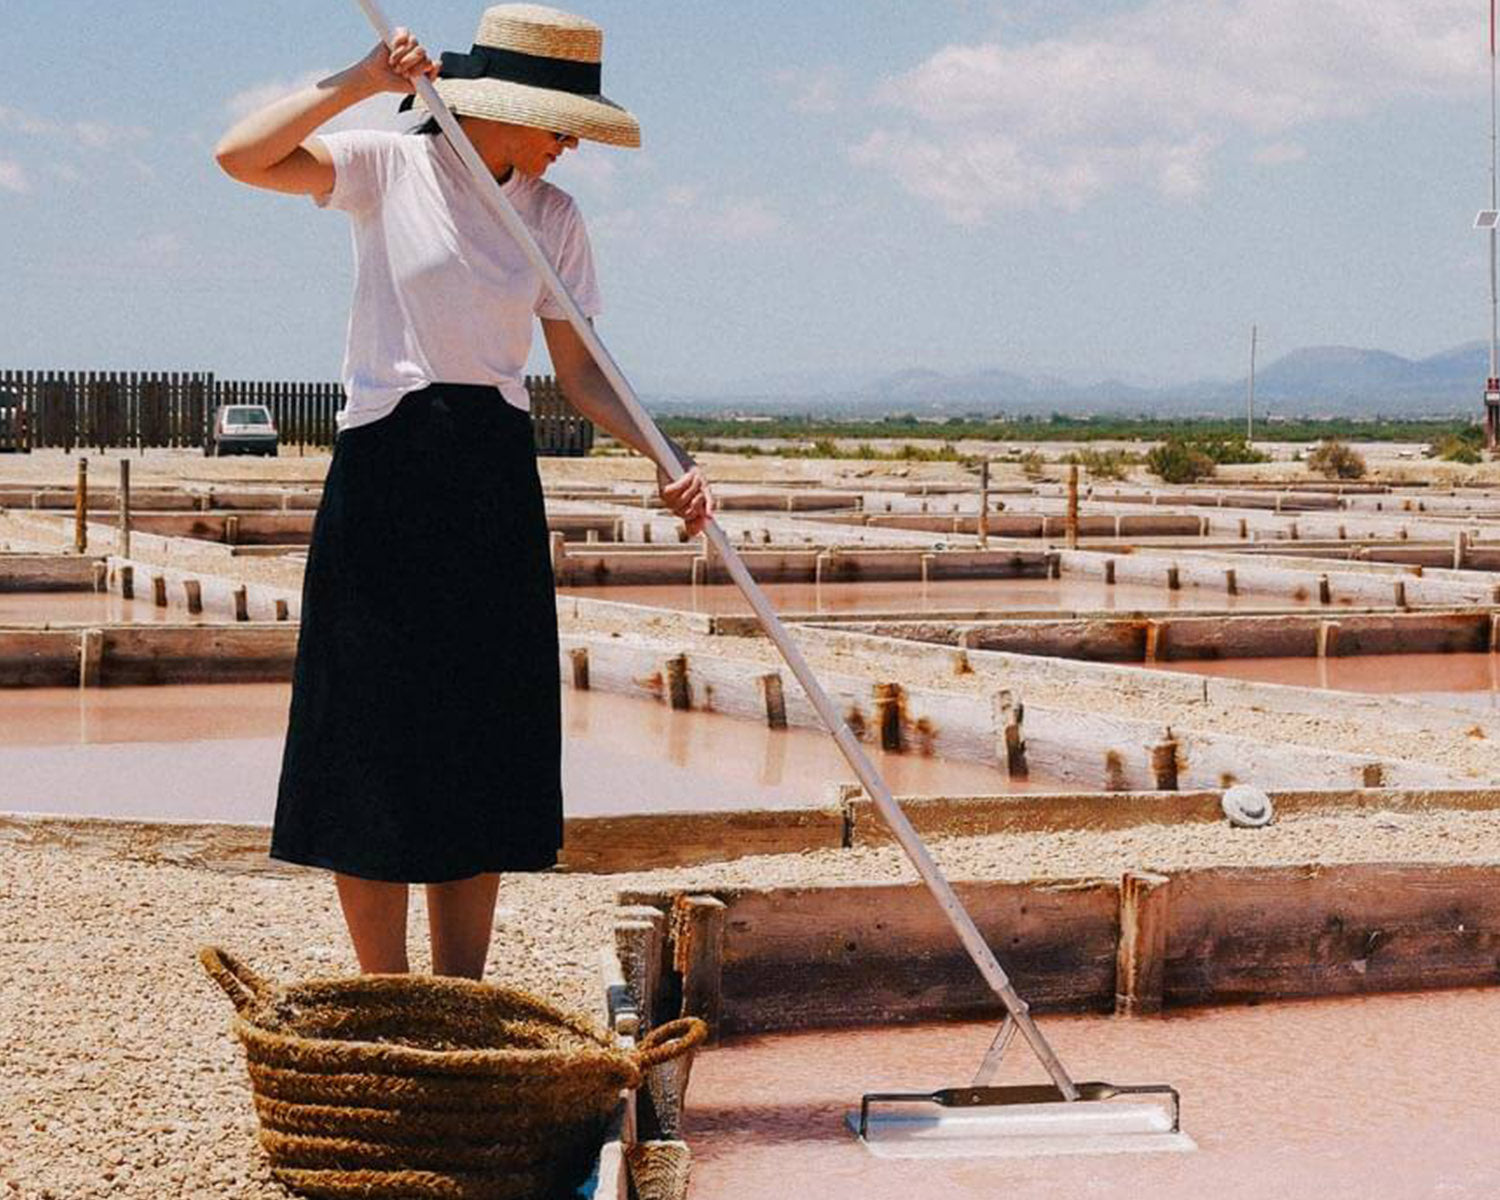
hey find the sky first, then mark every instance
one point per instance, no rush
(830, 189)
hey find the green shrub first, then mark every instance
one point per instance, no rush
(1230, 449)
(1464, 446)
(1178, 461)
(1104, 464)
(1032, 464)
(1335, 460)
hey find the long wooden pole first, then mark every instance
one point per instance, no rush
(664, 456)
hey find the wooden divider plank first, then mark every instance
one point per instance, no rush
(862, 954)
(1273, 933)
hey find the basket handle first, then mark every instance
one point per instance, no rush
(242, 985)
(669, 1041)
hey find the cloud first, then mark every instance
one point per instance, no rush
(1147, 97)
(90, 135)
(1278, 154)
(13, 176)
(687, 213)
(377, 112)
(820, 91)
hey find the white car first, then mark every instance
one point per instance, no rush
(244, 429)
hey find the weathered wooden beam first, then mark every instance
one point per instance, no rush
(1275, 933)
(698, 924)
(1141, 959)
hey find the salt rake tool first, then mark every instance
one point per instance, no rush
(1066, 1117)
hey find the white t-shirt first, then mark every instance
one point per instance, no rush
(442, 294)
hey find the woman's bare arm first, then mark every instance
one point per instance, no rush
(591, 394)
(269, 148)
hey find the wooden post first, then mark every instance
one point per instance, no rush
(282, 610)
(1244, 529)
(1325, 591)
(559, 556)
(101, 577)
(983, 526)
(640, 942)
(579, 657)
(890, 705)
(159, 590)
(81, 507)
(1231, 582)
(90, 657)
(232, 530)
(1400, 593)
(1164, 763)
(241, 603)
(1460, 549)
(127, 582)
(1141, 959)
(675, 673)
(1072, 521)
(124, 538)
(1174, 578)
(1154, 638)
(926, 569)
(194, 592)
(698, 956)
(1328, 632)
(1109, 570)
(774, 695)
(1010, 746)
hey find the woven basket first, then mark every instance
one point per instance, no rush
(386, 1086)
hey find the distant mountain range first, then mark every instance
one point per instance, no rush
(1314, 381)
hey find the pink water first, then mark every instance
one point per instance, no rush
(1370, 1098)
(1469, 680)
(1047, 595)
(213, 752)
(37, 608)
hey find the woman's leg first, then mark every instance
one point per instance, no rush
(460, 917)
(376, 915)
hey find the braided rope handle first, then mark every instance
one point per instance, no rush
(669, 1041)
(242, 985)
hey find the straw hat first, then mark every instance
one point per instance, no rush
(535, 66)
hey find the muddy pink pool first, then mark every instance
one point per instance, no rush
(1371, 1098)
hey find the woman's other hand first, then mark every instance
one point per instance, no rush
(395, 68)
(690, 498)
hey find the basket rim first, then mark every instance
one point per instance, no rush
(389, 1058)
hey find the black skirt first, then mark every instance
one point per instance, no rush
(424, 742)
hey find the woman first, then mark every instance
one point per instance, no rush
(424, 737)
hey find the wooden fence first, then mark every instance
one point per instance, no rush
(174, 410)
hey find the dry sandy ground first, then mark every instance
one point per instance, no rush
(1388, 462)
(119, 1075)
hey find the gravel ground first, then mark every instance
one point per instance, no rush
(121, 1080)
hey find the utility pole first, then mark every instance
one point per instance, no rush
(1487, 220)
(1250, 396)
